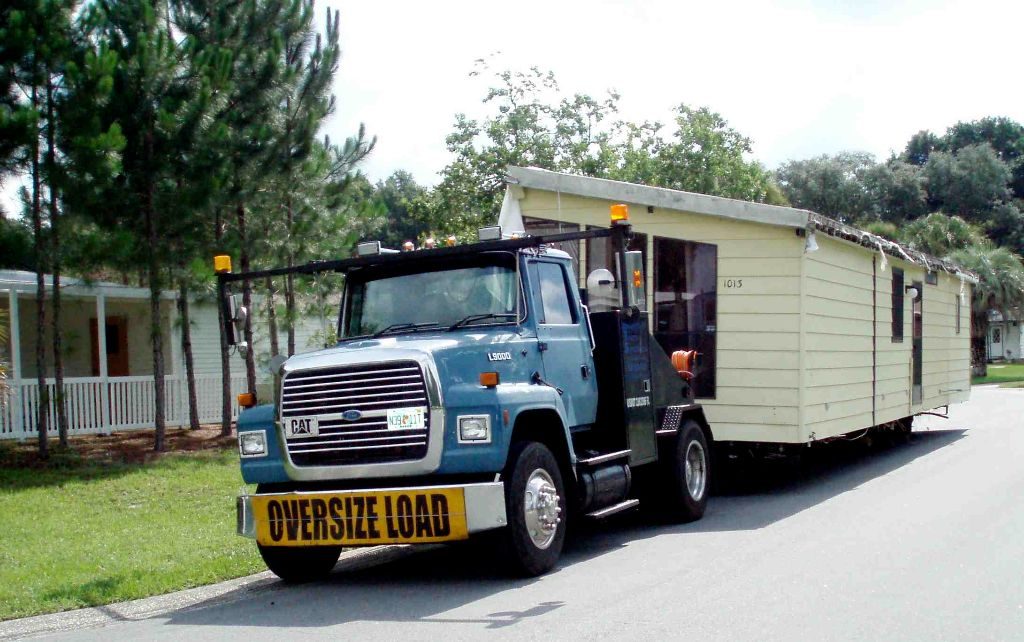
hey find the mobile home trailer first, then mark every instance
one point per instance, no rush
(807, 329)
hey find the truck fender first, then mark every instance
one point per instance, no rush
(531, 417)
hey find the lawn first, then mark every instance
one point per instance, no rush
(79, 532)
(1002, 373)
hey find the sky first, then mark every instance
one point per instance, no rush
(800, 78)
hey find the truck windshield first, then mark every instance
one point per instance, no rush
(438, 298)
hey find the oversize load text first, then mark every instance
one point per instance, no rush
(391, 517)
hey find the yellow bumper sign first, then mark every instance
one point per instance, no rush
(354, 518)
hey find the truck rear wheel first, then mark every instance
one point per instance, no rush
(686, 469)
(300, 564)
(535, 506)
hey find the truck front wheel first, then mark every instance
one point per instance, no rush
(300, 564)
(535, 506)
(687, 474)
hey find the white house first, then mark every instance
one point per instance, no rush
(1005, 336)
(116, 392)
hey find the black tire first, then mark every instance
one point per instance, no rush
(531, 547)
(297, 564)
(685, 499)
(300, 564)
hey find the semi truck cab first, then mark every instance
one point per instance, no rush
(471, 390)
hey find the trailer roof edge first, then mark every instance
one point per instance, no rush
(603, 188)
(657, 196)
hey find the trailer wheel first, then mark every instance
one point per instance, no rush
(687, 473)
(535, 507)
(300, 564)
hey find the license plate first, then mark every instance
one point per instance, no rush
(406, 418)
(302, 427)
(354, 518)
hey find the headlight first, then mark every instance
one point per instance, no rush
(252, 443)
(475, 428)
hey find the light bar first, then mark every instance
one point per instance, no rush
(221, 263)
(368, 248)
(491, 233)
(620, 214)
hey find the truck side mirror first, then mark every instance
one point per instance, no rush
(633, 292)
(234, 324)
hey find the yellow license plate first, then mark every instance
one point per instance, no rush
(354, 518)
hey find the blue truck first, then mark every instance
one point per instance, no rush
(472, 391)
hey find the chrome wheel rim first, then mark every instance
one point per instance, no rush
(696, 470)
(541, 509)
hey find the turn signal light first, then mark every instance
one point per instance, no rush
(489, 379)
(620, 214)
(246, 400)
(221, 263)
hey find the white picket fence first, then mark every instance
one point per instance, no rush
(122, 403)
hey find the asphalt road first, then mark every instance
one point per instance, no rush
(918, 541)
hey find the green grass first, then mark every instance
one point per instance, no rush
(1000, 373)
(80, 534)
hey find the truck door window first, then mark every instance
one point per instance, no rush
(554, 295)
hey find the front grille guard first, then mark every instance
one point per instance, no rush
(436, 423)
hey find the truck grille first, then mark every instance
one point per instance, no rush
(371, 389)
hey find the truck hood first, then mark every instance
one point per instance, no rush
(413, 346)
(458, 356)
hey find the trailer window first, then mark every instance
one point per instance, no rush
(897, 305)
(541, 226)
(601, 252)
(686, 304)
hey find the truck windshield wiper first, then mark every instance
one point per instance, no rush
(479, 317)
(395, 327)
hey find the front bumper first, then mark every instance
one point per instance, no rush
(370, 517)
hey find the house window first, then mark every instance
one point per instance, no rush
(686, 304)
(897, 305)
(997, 335)
(931, 278)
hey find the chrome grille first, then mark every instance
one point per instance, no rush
(372, 389)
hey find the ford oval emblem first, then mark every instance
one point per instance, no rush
(351, 415)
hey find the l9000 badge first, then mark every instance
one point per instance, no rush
(499, 356)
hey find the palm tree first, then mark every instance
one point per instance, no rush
(1000, 287)
(940, 235)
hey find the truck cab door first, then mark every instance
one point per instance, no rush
(564, 339)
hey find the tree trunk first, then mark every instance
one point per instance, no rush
(979, 347)
(156, 333)
(289, 287)
(272, 318)
(186, 348)
(225, 349)
(250, 359)
(42, 423)
(58, 333)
